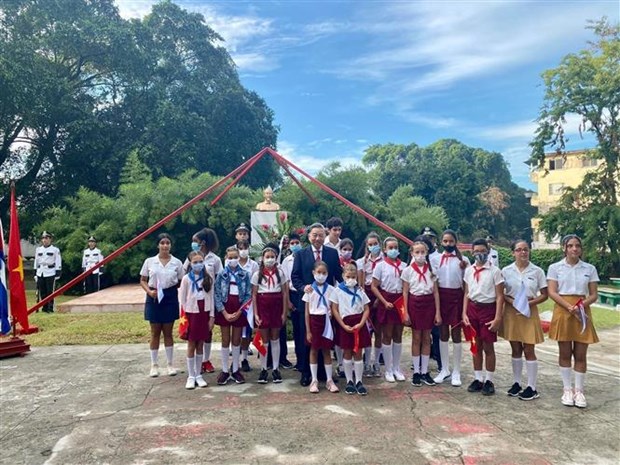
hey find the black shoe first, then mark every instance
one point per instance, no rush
(426, 379)
(263, 378)
(245, 366)
(381, 362)
(475, 386)
(350, 388)
(416, 380)
(361, 390)
(340, 373)
(276, 376)
(514, 390)
(286, 364)
(488, 389)
(528, 394)
(305, 380)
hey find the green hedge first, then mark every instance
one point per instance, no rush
(540, 257)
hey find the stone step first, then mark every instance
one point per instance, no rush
(121, 298)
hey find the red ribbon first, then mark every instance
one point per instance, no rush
(444, 258)
(422, 272)
(477, 272)
(356, 341)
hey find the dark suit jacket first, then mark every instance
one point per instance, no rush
(303, 263)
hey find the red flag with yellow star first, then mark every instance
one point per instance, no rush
(183, 325)
(17, 291)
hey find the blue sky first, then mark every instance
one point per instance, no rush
(341, 75)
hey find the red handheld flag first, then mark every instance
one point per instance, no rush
(183, 325)
(399, 305)
(356, 341)
(258, 343)
(470, 335)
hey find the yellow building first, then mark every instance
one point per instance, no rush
(560, 171)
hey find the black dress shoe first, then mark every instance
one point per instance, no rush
(305, 381)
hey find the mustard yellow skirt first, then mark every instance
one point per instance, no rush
(566, 327)
(519, 328)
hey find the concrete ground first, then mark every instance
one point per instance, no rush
(96, 404)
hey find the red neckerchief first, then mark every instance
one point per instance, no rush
(444, 258)
(395, 263)
(345, 262)
(269, 274)
(373, 263)
(422, 272)
(477, 272)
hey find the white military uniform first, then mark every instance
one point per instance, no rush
(47, 263)
(90, 258)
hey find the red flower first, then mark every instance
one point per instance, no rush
(301, 230)
(264, 227)
(283, 216)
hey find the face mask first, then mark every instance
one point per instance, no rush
(480, 257)
(198, 267)
(320, 278)
(392, 253)
(449, 248)
(195, 246)
(350, 282)
(244, 253)
(374, 249)
(269, 262)
(347, 255)
(419, 259)
(232, 263)
(295, 248)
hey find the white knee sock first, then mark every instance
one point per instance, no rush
(424, 364)
(235, 355)
(387, 357)
(339, 355)
(191, 368)
(154, 353)
(314, 368)
(359, 370)
(457, 348)
(489, 376)
(531, 366)
(348, 369)
(416, 364)
(328, 371)
(579, 381)
(275, 353)
(169, 351)
(244, 354)
(198, 364)
(206, 350)
(397, 350)
(478, 375)
(444, 355)
(224, 352)
(565, 372)
(263, 360)
(517, 367)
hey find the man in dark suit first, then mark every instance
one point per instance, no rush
(302, 278)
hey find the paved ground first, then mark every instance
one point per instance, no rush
(95, 404)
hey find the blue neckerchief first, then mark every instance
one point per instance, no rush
(227, 268)
(322, 298)
(192, 278)
(354, 293)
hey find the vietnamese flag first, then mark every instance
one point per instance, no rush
(258, 343)
(399, 305)
(470, 335)
(183, 325)
(17, 291)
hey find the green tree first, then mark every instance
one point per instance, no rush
(586, 84)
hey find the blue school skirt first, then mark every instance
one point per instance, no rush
(166, 311)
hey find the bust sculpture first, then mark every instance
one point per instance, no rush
(267, 205)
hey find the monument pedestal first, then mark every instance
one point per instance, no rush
(259, 220)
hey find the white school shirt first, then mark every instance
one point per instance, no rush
(316, 306)
(367, 265)
(333, 246)
(343, 300)
(188, 297)
(483, 290)
(90, 258)
(233, 287)
(572, 280)
(449, 273)
(168, 276)
(417, 284)
(493, 257)
(250, 266)
(264, 286)
(389, 278)
(532, 276)
(287, 268)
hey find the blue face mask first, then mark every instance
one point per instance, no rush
(374, 249)
(295, 248)
(392, 253)
(195, 246)
(198, 267)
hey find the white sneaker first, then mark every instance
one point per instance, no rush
(389, 377)
(172, 371)
(441, 376)
(568, 398)
(200, 381)
(456, 378)
(154, 371)
(191, 382)
(580, 399)
(399, 376)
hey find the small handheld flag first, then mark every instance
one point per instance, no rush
(183, 325)
(582, 315)
(399, 305)
(470, 335)
(160, 291)
(258, 343)
(5, 324)
(248, 309)
(328, 331)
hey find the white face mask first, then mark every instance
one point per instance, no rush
(244, 253)
(320, 278)
(269, 262)
(350, 282)
(419, 259)
(232, 263)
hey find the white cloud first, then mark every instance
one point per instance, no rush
(524, 130)
(311, 164)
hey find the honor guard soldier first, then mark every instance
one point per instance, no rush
(92, 255)
(493, 254)
(47, 263)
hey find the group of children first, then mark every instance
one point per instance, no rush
(379, 295)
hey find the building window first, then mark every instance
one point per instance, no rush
(556, 188)
(587, 162)
(556, 164)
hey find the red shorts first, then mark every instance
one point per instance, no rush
(230, 307)
(421, 310)
(317, 326)
(269, 308)
(347, 340)
(480, 314)
(451, 306)
(388, 315)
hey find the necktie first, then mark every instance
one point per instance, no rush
(317, 255)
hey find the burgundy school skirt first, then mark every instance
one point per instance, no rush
(230, 307)
(480, 314)
(199, 324)
(388, 315)
(317, 326)
(269, 308)
(421, 311)
(346, 340)
(451, 306)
